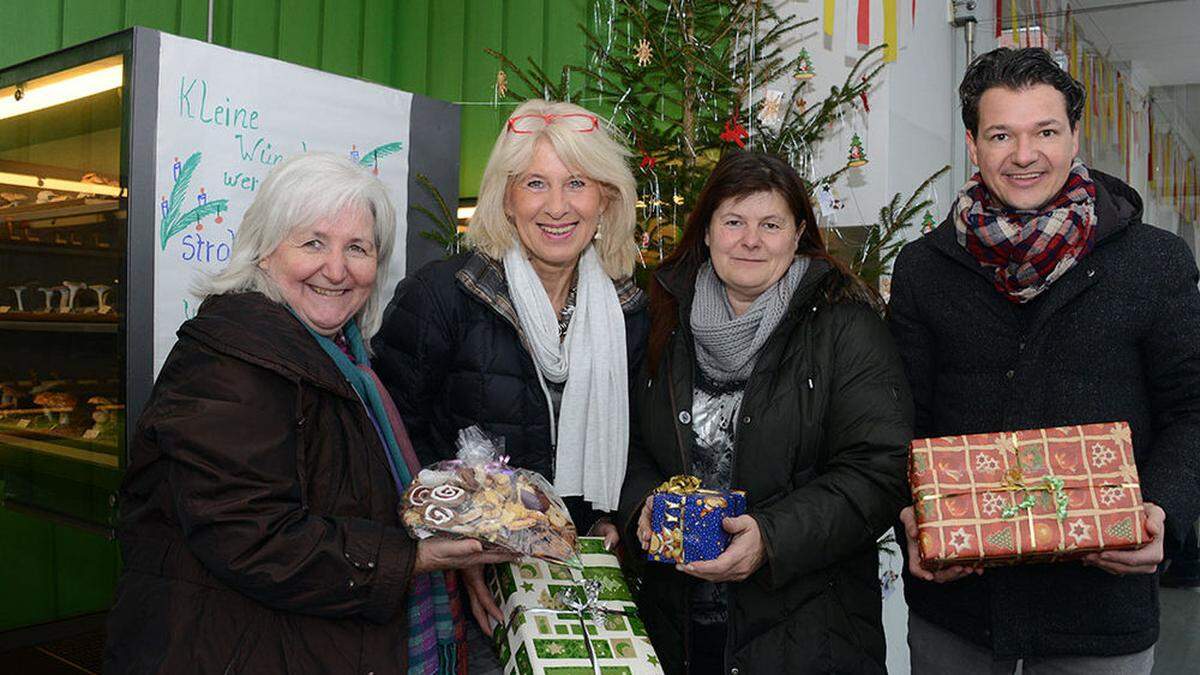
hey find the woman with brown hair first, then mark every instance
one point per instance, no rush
(769, 370)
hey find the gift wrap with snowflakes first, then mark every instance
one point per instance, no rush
(543, 634)
(685, 521)
(1027, 496)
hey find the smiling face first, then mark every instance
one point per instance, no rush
(752, 240)
(326, 270)
(554, 209)
(1025, 145)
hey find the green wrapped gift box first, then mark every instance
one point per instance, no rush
(543, 634)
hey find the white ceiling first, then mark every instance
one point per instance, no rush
(1161, 38)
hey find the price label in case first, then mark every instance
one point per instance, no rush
(21, 424)
(91, 433)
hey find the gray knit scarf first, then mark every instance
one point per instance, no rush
(727, 345)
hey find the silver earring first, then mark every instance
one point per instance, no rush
(599, 224)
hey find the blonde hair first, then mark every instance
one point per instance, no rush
(298, 192)
(594, 154)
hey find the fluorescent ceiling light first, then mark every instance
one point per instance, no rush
(59, 88)
(25, 180)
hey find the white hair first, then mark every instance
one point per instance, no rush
(595, 154)
(298, 192)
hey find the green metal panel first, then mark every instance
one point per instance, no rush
(83, 20)
(447, 21)
(255, 27)
(300, 32)
(379, 25)
(155, 14)
(39, 32)
(410, 53)
(193, 18)
(27, 584)
(484, 28)
(341, 37)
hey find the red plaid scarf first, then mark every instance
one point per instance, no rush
(1028, 250)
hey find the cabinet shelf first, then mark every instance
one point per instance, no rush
(60, 323)
(83, 206)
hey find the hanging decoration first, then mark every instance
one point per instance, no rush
(862, 95)
(890, 38)
(770, 110)
(857, 156)
(864, 23)
(927, 222)
(804, 66)
(501, 83)
(644, 52)
(734, 132)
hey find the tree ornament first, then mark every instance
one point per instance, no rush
(644, 52)
(501, 83)
(734, 132)
(804, 66)
(927, 222)
(857, 156)
(770, 110)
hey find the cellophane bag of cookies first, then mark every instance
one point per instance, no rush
(478, 495)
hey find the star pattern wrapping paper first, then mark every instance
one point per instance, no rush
(1037, 495)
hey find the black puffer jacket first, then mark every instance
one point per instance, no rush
(452, 354)
(821, 441)
(259, 530)
(1115, 338)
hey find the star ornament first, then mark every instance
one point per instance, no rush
(643, 53)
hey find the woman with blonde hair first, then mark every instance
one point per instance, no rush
(533, 333)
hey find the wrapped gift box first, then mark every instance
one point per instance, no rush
(1027, 496)
(685, 521)
(543, 634)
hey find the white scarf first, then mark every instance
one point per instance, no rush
(592, 433)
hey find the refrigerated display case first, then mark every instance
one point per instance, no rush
(64, 331)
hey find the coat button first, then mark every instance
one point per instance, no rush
(1010, 374)
(685, 417)
(351, 584)
(745, 419)
(1091, 273)
(733, 671)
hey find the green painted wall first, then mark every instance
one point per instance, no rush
(431, 47)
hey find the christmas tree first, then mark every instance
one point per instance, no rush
(686, 80)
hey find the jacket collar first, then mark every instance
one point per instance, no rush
(679, 280)
(483, 277)
(253, 328)
(1117, 207)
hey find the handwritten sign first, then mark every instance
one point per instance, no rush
(224, 119)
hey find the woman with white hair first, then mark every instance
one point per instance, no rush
(534, 333)
(259, 527)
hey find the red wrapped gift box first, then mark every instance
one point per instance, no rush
(1026, 496)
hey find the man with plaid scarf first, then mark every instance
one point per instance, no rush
(1043, 300)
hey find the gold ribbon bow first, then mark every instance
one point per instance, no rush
(680, 485)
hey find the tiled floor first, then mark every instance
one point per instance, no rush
(1178, 651)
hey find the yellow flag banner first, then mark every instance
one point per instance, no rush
(830, 10)
(892, 51)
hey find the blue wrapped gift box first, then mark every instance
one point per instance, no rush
(685, 520)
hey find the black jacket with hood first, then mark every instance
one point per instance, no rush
(1115, 338)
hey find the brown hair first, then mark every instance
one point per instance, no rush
(738, 174)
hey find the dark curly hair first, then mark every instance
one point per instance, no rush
(1016, 69)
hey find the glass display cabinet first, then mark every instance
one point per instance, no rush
(65, 336)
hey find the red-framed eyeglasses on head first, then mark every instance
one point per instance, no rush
(528, 124)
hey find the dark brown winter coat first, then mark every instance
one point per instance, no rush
(258, 514)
